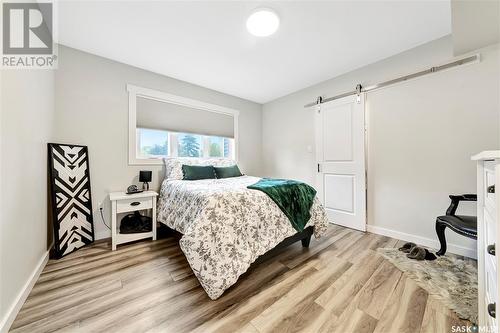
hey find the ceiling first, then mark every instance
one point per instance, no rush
(206, 42)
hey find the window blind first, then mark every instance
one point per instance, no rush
(176, 118)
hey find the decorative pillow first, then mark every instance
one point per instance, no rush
(196, 172)
(173, 165)
(228, 172)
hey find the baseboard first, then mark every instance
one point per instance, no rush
(428, 242)
(102, 234)
(12, 312)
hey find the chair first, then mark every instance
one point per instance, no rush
(463, 225)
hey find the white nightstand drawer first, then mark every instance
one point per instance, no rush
(491, 278)
(490, 228)
(489, 185)
(129, 205)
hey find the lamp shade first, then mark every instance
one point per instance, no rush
(145, 176)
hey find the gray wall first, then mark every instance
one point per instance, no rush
(421, 135)
(27, 119)
(92, 109)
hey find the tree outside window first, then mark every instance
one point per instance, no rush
(216, 146)
(189, 145)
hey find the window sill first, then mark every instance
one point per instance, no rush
(145, 161)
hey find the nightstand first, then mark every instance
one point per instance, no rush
(127, 203)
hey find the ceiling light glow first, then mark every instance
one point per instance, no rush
(263, 22)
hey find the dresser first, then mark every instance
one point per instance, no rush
(488, 233)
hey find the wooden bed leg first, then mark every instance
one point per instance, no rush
(306, 241)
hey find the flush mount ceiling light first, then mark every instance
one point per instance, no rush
(263, 22)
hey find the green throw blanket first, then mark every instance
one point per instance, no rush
(294, 198)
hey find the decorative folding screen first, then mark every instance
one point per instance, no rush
(71, 204)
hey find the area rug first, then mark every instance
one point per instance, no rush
(451, 280)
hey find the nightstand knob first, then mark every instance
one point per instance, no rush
(135, 203)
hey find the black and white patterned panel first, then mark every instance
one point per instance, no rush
(71, 199)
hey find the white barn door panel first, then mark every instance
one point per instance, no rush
(340, 149)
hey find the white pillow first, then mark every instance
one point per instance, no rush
(173, 165)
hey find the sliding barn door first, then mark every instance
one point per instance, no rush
(340, 149)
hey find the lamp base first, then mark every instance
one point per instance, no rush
(145, 186)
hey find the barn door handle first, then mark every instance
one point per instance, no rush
(492, 309)
(491, 189)
(135, 203)
(491, 249)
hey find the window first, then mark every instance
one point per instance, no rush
(164, 125)
(155, 144)
(189, 145)
(220, 147)
(215, 148)
(152, 143)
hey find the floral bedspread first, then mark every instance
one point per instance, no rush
(226, 226)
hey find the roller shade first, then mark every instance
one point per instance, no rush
(166, 116)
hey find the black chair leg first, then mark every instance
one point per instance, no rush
(306, 241)
(440, 227)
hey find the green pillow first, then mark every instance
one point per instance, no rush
(196, 172)
(227, 172)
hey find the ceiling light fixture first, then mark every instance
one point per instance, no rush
(263, 22)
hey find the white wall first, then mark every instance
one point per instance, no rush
(421, 135)
(474, 24)
(92, 110)
(27, 119)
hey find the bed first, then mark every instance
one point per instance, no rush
(225, 226)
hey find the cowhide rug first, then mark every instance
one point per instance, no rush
(449, 279)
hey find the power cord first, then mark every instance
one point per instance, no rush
(103, 220)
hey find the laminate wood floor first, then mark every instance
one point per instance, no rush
(339, 284)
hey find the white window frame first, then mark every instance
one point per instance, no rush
(160, 96)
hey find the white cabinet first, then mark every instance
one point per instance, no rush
(488, 175)
(125, 203)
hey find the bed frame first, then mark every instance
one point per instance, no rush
(303, 236)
